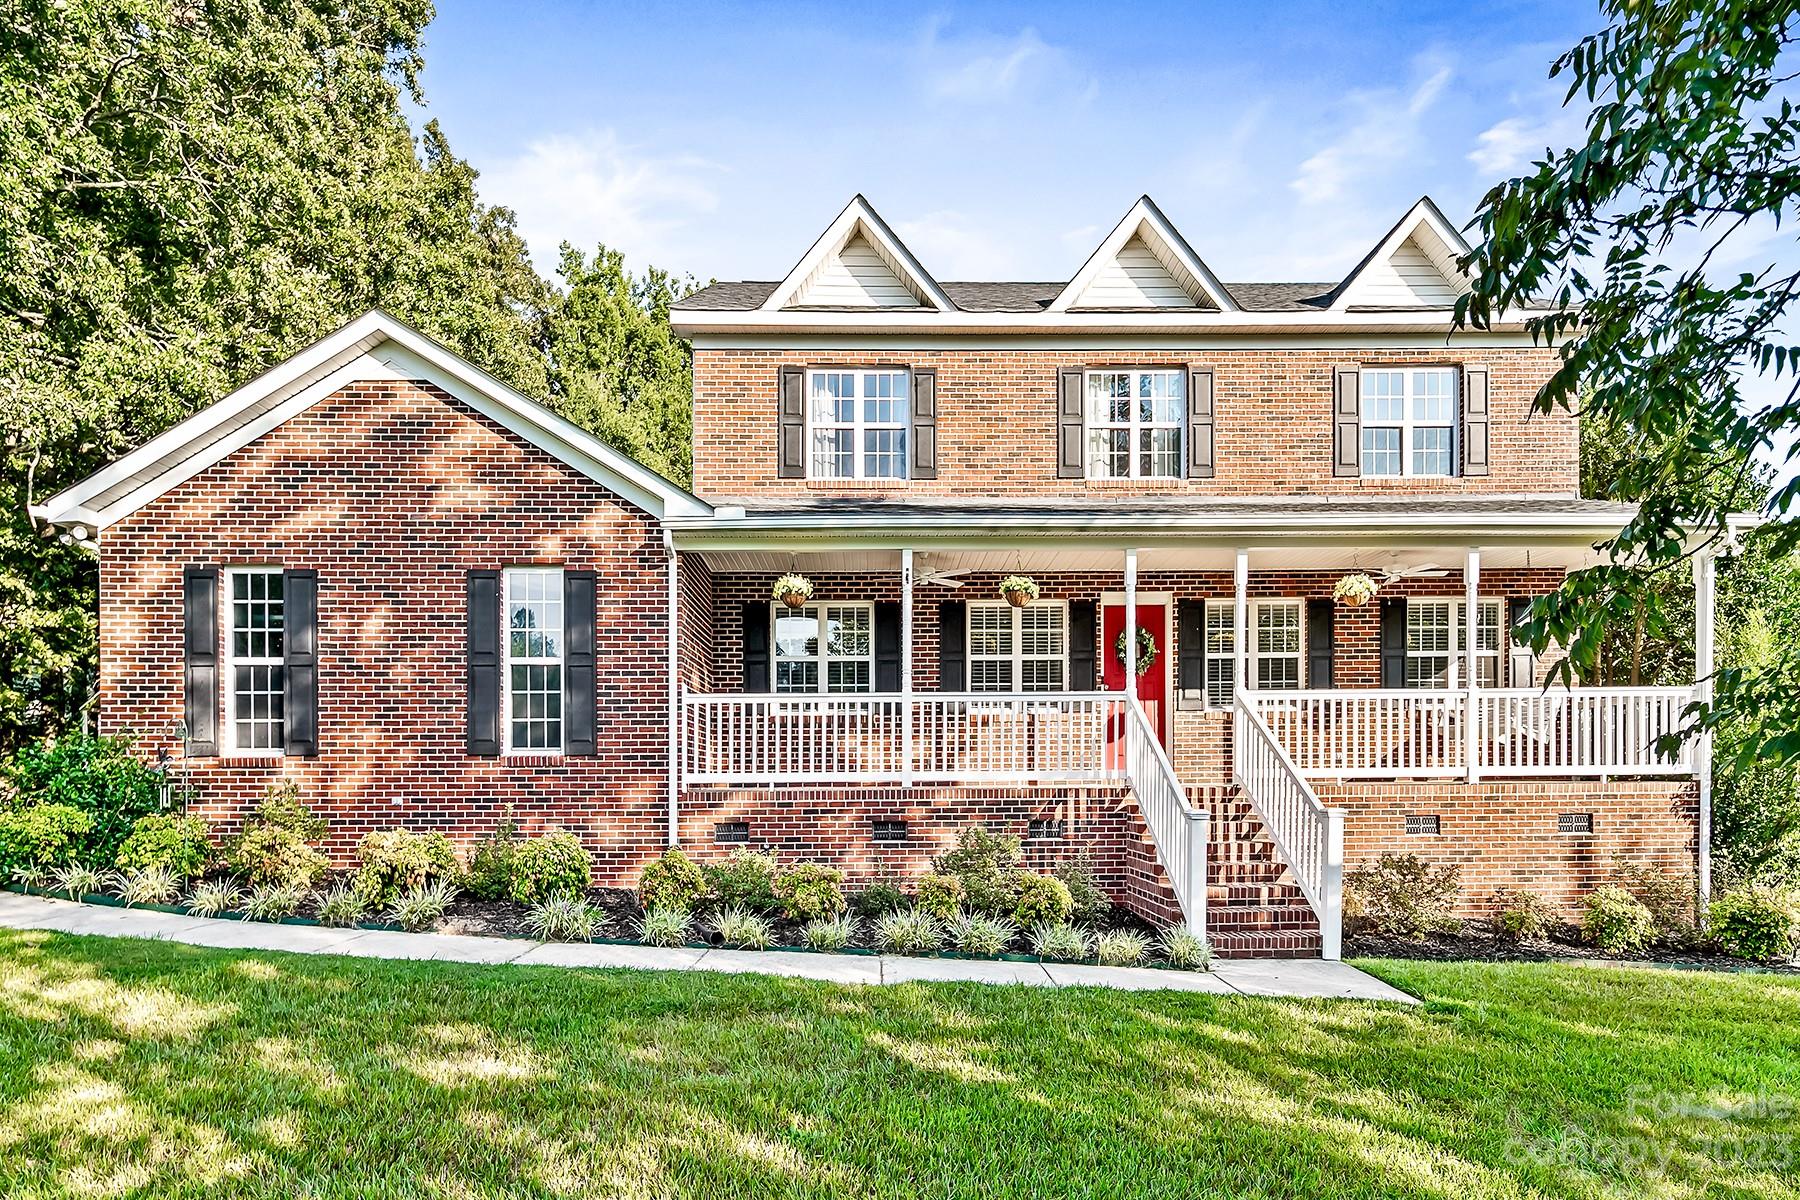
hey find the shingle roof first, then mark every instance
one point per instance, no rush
(745, 295)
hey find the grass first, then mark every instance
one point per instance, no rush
(138, 1068)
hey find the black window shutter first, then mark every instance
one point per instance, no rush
(578, 663)
(1521, 662)
(1393, 641)
(1202, 424)
(791, 424)
(757, 669)
(1321, 621)
(1083, 637)
(1190, 641)
(924, 423)
(483, 609)
(1475, 421)
(1071, 459)
(200, 649)
(953, 646)
(887, 646)
(300, 641)
(1346, 422)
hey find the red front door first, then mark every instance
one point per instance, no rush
(1152, 685)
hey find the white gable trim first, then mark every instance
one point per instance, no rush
(1426, 227)
(859, 217)
(374, 346)
(1146, 221)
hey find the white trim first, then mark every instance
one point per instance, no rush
(374, 346)
(859, 216)
(228, 664)
(1438, 323)
(1426, 215)
(1147, 221)
(1436, 339)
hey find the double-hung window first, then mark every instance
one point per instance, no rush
(1409, 421)
(858, 420)
(534, 659)
(824, 648)
(1018, 649)
(1435, 639)
(1135, 420)
(256, 668)
(1276, 647)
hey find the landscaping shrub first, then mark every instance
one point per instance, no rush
(563, 918)
(878, 899)
(978, 933)
(742, 929)
(165, 840)
(830, 933)
(273, 901)
(401, 860)
(1755, 922)
(211, 899)
(1179, 947)
(1039, 899)
(552, 865)
(421, 907)
(146, 885)
(808, 891)
(490, 863)
(1121, 948)
(987, 865)
(42, 835)
(99, 776)
(671, 881)
(746, 879)
(1671, 897)
(76, 881)
(274, 849)
(1522, 916)
(1092, 907)
(1617, 922)
(664, 925)
(940, 895)
(1059, 940)
(1402, 895)
(342, 906)
(909, 931)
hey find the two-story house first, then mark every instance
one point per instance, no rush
(1319, 508)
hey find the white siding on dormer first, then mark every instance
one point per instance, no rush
(1136, 278)
(1410, 277)
(858, 276)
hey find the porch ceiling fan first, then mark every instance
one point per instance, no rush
(1422, 571)
(944, 578)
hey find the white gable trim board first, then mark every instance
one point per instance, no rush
(1144, 263)
(375, 346)
(1414, 266)
(858, 262)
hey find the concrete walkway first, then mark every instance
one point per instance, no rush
(1250, 977)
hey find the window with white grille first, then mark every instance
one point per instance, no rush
(534, 659)
(256, 665)
(1409, 421)
(1018, 649)
(1436, 636)
(858, 423)
(1134, 423)
(1276, 647)
(825, 648)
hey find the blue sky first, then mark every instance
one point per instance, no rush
(1001, 141)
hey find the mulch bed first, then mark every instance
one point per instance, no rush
(1477, 945)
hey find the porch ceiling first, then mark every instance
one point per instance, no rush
(1028, 558)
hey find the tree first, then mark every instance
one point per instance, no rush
(1628, 247)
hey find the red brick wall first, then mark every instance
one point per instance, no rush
(1502, 833)
(997, 423)
(392, 491)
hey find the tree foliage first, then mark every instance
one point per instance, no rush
(1632, 246)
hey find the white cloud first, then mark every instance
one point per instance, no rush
(590, 187)
(984, 69)
(1509, 145)
(952, 245)
(1384, 130)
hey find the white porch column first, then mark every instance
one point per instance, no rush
(1705, 596)
(1471, 676)
(1240, 623)
(906, 666)
(675, 696)
(1130, 626)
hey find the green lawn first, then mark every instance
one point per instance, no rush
(149, 1069)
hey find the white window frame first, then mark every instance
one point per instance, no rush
(822, 653)
(1452, 676)
(1225, 658)
(509, 579)
(1409, 424)
(1015, 656)
(860, 426)
(1134, 425)
(232, 661)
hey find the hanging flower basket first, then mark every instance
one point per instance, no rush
(1354, 590)
(1019, 590)
(793, 590)
(1146, 649)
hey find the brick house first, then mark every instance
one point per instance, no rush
(377, 571)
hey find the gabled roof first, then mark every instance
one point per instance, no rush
(1144, 263)
(1412, 266)
(374, 346)
(858, 262)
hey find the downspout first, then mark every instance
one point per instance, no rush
(674, 623)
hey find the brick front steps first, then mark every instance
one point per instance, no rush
(1254, 909)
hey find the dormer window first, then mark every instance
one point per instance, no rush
(858, 420)
(1134, 423)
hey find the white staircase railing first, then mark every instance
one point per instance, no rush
(1180, 830)
(1309, 836)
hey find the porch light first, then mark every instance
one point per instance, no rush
(1354, 590)
(1019, 590)
(793, 590)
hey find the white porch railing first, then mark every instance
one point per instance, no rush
(1180, 830)
(1309, 836)
(1373, 733)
